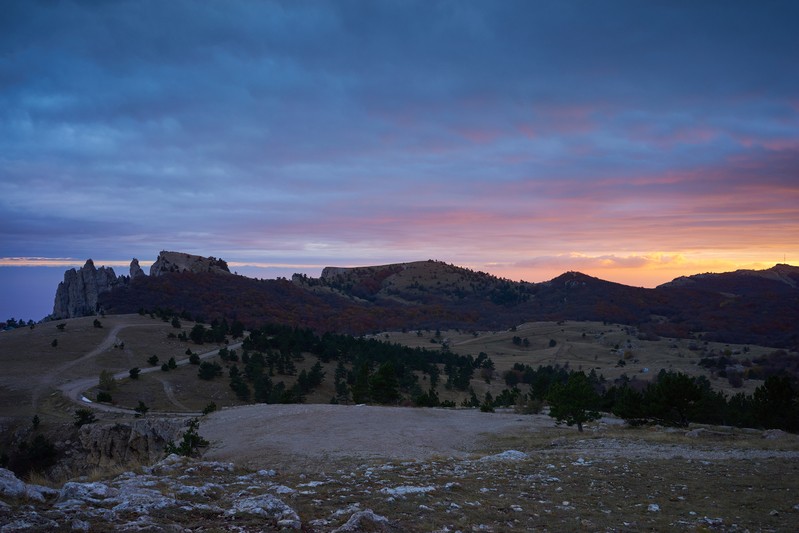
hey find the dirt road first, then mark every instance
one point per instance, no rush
(73, 390)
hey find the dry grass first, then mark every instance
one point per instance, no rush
(580, 345)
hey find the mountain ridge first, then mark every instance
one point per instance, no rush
(744, 306)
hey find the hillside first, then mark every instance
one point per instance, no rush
(758, 307)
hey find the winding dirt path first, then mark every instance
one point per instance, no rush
(169, 391)
(50, 379)
(73, 389)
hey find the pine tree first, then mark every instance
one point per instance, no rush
(573, 402)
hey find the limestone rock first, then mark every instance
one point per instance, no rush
(366, 520)
(180, 262)
(10, 485)
(14, 488)
(78, 294)
(135, 270)
(508, 455)
(140, 440)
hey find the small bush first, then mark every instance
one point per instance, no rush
(209, 371)
(107, 381)
(84, 416)
(103, 397)
(141, 409)
(526, 405)
(191, 442)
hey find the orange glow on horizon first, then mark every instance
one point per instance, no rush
(634, 270)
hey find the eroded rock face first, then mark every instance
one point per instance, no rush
(141, 441)
(77, 295)
(180, 262)
(135, 270)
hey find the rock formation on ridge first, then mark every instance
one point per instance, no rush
(180, 262)
(135, 270)
(77, 295)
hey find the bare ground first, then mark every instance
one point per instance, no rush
(261, 436)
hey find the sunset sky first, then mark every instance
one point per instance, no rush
(633, 141)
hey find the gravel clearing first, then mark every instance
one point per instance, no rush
(261, 435)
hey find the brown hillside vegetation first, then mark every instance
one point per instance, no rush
(741, 307)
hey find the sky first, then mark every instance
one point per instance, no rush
(632, 141)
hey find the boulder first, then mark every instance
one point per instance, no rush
(14, 488)
(366, 520)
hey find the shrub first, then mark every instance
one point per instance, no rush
(134, 372)
(191, 442)
(37, 455)
(153, 360)
(107, 381)
(526, 405)
(103, 397)
(209, 371)
(84, 416)
(141, 409)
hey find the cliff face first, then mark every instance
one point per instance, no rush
(140, 440)
(180, 262)
(77, 294)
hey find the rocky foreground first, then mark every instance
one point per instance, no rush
(600, 482)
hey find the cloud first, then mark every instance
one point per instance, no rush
(486, 133)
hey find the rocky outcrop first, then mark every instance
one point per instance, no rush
(13, 488)
(135, 270)
(171, 495)
(180, 262)
(78, 294)
(141, 441)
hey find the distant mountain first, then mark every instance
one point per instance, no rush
(746, 306)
